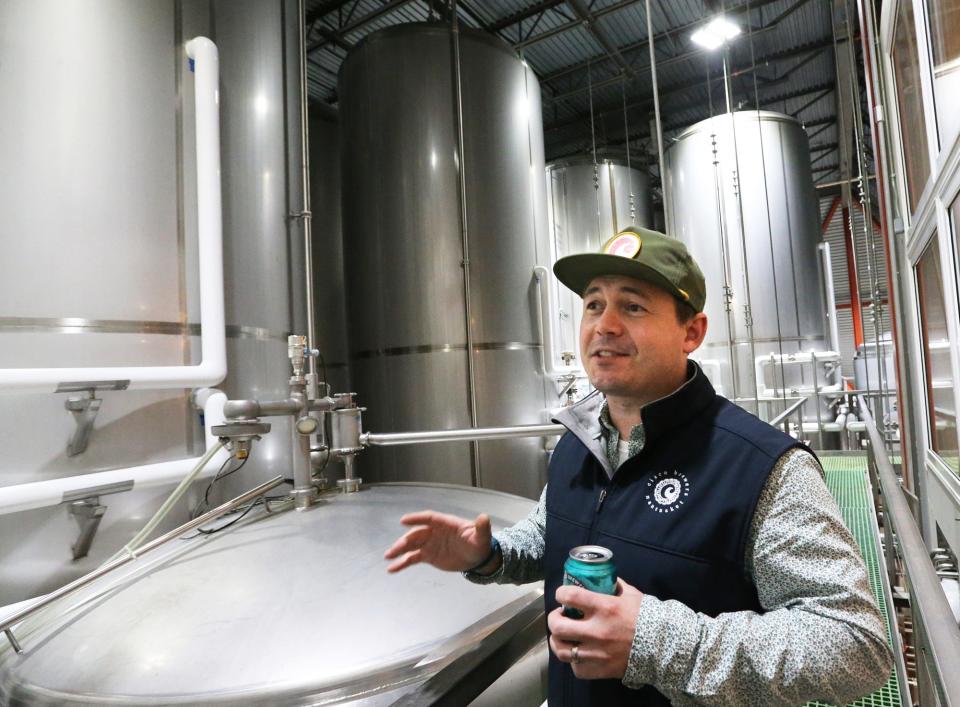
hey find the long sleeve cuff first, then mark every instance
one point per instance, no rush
(666, 634)
(494, 577)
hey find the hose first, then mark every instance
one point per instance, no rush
(137, 541)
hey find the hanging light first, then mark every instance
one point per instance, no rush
(715, 34)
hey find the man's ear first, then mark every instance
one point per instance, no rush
(696, 330)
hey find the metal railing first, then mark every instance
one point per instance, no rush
(782, 417)
(935, 628)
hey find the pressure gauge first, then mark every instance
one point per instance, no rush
(307, 425)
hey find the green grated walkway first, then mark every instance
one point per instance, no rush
(847, 480)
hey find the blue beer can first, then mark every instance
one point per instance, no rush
(590, 567)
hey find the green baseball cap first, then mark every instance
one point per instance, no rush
(642, 254)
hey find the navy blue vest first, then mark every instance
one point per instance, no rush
(676, 516)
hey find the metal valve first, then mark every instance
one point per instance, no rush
(238, 435)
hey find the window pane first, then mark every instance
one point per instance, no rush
(906, 69)
(944, 30)
(944, 17)
(936, 355)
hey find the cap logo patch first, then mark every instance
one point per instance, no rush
(626, 245)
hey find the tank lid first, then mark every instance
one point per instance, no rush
(637, 162)
(275, 609)
(740, 117)
(435, 29)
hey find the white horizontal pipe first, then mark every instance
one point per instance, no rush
(545, 313)
(41, 494)
(794, 359)
(213, 364)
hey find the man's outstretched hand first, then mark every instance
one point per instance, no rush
(447, 542)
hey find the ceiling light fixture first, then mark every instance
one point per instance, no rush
(715, 34)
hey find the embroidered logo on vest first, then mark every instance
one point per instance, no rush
(666, 491)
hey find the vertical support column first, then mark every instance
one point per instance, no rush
(852, 278)
(868, 40)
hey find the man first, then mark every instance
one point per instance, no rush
(738, 582)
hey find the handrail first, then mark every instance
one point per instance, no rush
(786, 413)
(213, 364)
(6, 626)
(930, 607)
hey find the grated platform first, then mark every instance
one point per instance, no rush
(846, 478)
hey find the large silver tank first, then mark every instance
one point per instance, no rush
(763, 158)
(99, 227)
(404, 251)
(291, 608)
(621, 198)
(573, 201)
(94, 256)
(329, 297)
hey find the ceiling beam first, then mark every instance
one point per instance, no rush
(590, 21)
(574, 24)
(521, 15)
(323, 9)
(599, 59)
(560, 148)
(617, 107)
(339, 35)
(813, 50)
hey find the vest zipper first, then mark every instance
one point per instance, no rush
(603, 495)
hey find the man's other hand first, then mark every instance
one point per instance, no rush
(603, 636)
(444, 541)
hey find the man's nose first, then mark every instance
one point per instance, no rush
(609, 322)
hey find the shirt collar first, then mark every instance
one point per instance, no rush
(664, 413)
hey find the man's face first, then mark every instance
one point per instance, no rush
(631, 343)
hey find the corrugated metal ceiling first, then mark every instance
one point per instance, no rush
(789, 42)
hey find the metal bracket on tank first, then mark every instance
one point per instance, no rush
(88, 512)
(85, 408)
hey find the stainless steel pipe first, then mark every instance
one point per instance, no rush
(371, 439)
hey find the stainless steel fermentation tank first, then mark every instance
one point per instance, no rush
(741, 197)
(587, 203)
(99, 170)
(410, 232)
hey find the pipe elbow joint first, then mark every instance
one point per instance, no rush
(241, 409)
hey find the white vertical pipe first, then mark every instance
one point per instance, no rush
(830, 295)
(213, 364)
(545, 313)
